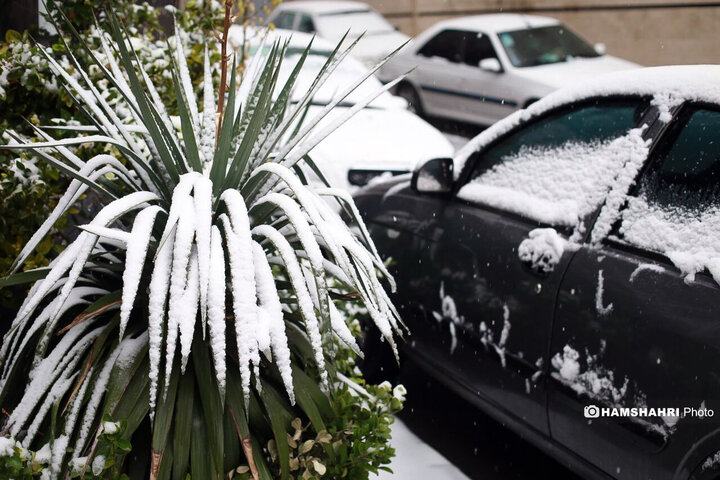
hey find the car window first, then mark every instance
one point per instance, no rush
(447, 44)
(478, 47)
(305, 24)
(556, 170)
(540, 46)
(675, 208)
(285, 20)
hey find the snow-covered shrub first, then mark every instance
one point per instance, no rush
(196, 305)
(355, 442)
(30, 187)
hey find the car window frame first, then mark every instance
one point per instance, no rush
(467, 44)
(473, 158)
(662, 138)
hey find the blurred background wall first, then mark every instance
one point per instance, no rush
(650, 32)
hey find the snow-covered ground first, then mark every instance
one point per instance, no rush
(414, 459)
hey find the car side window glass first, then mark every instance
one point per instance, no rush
(447, 44)
(675, 208)
(558, 169)
(306, 24)
(478, 47)
(285, 20)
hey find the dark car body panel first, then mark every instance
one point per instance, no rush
(661, 334)
(658, 348)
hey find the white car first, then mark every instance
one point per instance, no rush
(331, 20)
(384, 138)
(480, 69)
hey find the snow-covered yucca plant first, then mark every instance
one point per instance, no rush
(198, 303)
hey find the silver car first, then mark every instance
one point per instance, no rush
(331, 20)
(480, 69)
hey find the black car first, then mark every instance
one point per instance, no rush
(562, 272)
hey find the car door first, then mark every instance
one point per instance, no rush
(480, 313)
(437, 73)
(489, 95)
(637, 317)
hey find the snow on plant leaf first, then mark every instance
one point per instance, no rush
(207, 134)
(202, 197)
(302, 292)
(158, 291)
(247, 246)
(216, 306)
(137, 248)
(180, 279)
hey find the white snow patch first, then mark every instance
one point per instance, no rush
(7, 447)
(645, 267)
(416, 459)
(666, 101)
(544, 248)
(711, 461)
(110, 428)
(690, 239)
(600, 306)
(552, 185)
(98, 464)
(450, 314)
(500, 347)
(635, 152)
(567, 363)
(597, 383)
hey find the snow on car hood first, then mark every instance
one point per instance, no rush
(374, 47)
(344, 75)
(376, 139)
(557, 75)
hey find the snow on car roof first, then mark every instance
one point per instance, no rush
(296, 39)
(499, 22)
(668, 86)
(319, 7)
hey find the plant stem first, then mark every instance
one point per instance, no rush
(246, 444)
(223, 64)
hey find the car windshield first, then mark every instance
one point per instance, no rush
(334, 25)
(545, 45)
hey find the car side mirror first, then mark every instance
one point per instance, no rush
(433, 176)
(600, 48)
(490, 65)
